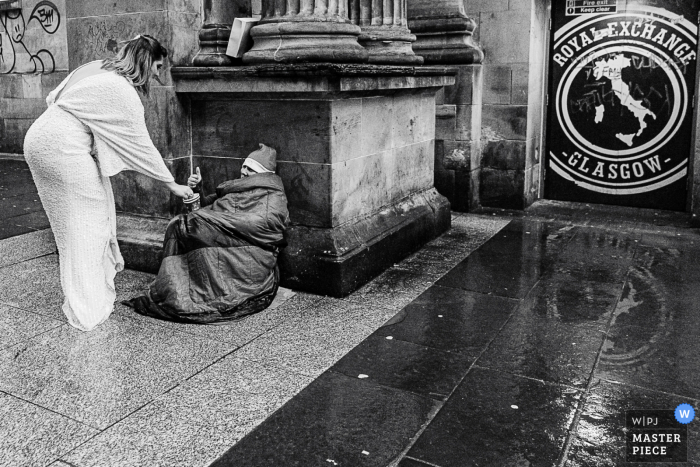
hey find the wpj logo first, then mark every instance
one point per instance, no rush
(658, 435)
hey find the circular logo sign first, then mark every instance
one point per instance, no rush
(623, 100)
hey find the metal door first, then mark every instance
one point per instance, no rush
(620, 101)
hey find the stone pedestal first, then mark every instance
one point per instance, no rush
(355, 147)
(297, 31)
(385, 32)
(444, 32)
(214, 35)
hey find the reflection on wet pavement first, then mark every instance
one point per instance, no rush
(532, 347)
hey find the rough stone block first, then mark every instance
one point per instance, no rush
(361, 186)
(31, 85)
(505, 37)
(307, 189)
(533, 152)
(167, 119)
(453, 174)
(440, 97)
(522, 5)
(11, 86)
(498, 84)
(458, 155)
(468, 86)
(504, 155)
(445, 128)
(83, 8)
(338, 261)
(467, 121)
(413, 168)
(98, 37)
(532, 184)
(504, 122)
(185, 6)
(523, 83)
(22, 108)
(299, 130)
(12, 134)
(346, 126)
(414, 119)
(445, 184)
(474, 191)
(377, 113)
(477, 6)
(50, 81)
(502, 188)
(183, 40)
(135, 193)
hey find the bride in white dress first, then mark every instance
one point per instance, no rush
(94, 128)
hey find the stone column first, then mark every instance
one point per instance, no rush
(385, 32)
(295, 31)
(444, 36)
(444, 32)
(214, 35)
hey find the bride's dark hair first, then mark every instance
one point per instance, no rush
(135, 59)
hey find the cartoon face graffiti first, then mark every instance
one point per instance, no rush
(17, 53)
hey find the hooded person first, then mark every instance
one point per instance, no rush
(220, 262)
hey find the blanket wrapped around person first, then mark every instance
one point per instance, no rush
(220, 262)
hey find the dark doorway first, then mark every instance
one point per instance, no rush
(620, 102)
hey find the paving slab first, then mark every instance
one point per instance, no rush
(409, 367)
(196, 422)
(499, 419)
(19, 325)
(450, 319)
(102, 376)
(336, 420)
(31, 436)
(32, 244)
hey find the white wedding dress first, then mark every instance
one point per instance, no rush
(102, 115)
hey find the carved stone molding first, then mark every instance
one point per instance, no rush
(295, 31)
(443, 31)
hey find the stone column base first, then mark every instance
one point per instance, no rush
(451, 47)
(213, 41)
(328, 261)
(388, 46)
(295, 42)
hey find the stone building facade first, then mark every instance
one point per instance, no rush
(468, 106)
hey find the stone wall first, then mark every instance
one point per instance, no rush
(513, 36)
(33, 61)
(95, 29)
(373, 151)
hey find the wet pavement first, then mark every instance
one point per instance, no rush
(20, 209)
(528, 352)
(516, 339)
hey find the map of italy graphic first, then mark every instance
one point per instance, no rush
(612, 70)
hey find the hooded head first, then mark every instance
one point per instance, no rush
(264, 160)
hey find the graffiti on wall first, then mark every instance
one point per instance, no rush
(17, 54)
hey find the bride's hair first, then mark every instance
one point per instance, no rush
(135, 59)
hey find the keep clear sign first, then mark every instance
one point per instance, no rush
(590, 7)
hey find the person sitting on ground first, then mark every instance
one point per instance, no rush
(220, 262)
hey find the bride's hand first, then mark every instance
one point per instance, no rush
(182, 191)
